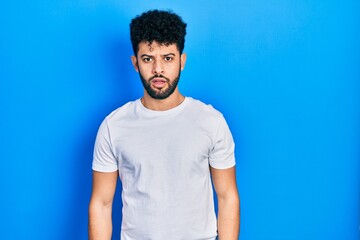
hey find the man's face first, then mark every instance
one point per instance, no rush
(159, 67)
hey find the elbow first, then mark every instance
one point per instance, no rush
(229, 196)
(229, 201)
(99, 205)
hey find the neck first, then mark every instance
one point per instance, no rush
(168, 103)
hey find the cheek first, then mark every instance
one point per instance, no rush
(174, 68)
(143, 70)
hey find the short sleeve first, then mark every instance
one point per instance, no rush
(104, 159)
(222, 155)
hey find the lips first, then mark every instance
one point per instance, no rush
(158, 82)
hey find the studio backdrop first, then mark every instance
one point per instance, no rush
(285, 74)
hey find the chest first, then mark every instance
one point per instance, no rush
(171, 144)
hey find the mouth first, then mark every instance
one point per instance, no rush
(158, 82)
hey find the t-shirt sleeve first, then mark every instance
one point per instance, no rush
(104, 159)
(222, 155)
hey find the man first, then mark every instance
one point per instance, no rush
(168, 149)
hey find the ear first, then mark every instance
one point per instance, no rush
(135, 63)
(182, 61)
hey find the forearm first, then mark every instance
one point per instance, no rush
(100, 222)
(229, 218)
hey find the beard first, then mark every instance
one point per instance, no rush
(160, 93)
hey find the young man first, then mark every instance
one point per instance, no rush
(168, 149)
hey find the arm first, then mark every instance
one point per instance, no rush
(100, 207)
(224, 181)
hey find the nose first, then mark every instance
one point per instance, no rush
(158, 68)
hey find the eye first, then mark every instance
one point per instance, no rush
(147, 59)
(168, 59)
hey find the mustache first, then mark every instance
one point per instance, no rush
(159, 76)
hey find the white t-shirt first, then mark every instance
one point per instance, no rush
(163, 160)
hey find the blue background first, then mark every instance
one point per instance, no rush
(284, 73)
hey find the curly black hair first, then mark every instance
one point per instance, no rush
(164, 27)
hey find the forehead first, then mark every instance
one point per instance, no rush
(146, 47)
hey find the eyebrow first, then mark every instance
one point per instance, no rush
(165, 55)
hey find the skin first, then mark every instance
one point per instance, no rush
(154, 60)
(100, 207)
(224, 181)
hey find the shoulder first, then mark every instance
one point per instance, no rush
(204, 109)
(123, 112)
(204, 115)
